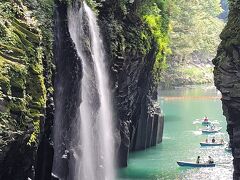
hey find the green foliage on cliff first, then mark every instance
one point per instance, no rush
(156, 14)
(93, 4)
(230, 36)
(159, 30)
(23, 47)
(153, 29)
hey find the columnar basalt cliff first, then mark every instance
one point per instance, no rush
(227, 79)
(132, 58)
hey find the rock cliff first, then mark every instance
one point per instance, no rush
(132, 57)
(227, 79)
(25, 95)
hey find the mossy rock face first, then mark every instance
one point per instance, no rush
(23, 94)
(226, 77)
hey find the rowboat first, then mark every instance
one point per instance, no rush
(206, 123)
(192, 164)
(228, 149)
(211, 144)
(209, 130)
(203, 122)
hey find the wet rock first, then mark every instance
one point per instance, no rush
(226, 77)
(44, 160)
(18, 160)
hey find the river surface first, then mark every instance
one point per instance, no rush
(181, 139)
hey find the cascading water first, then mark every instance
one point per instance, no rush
(92, 143)
(104, 122)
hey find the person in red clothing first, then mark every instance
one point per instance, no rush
(205, 118)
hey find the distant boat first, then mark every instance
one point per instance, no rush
(206, 122)
(211, 144)
(192, 164)
(209, 130)
(228, 149)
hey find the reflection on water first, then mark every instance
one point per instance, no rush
(188, 97)
(191, 91)
(181, 140)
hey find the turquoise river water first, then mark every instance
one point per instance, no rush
(181, 139)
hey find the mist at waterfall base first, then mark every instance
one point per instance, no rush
(90, 153)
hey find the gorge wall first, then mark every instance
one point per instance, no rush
(26, 80)
(132, 57)
(227, 79)
(25, 55)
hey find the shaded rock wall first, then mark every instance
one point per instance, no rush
(227, 79)
(67, 83)
(67, 93)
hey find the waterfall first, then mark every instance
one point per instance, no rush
(91, 146)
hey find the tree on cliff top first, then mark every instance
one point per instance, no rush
(196, 26)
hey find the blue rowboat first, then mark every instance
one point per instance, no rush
(192, 164)
(228, 149)
(211, 144)
(206, 123)
(215, 130)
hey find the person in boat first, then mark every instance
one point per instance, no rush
(212, 127)
(213, 140)
(205, 119)
(222, 141)
(198, 160)
(210, 160)
(206, 140)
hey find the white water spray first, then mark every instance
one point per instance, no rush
(96, 142)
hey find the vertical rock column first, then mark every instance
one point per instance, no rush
(132, 57)
(227, 79)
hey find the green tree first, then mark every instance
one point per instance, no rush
(196, 26)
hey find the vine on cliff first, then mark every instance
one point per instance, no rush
(156, 15)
